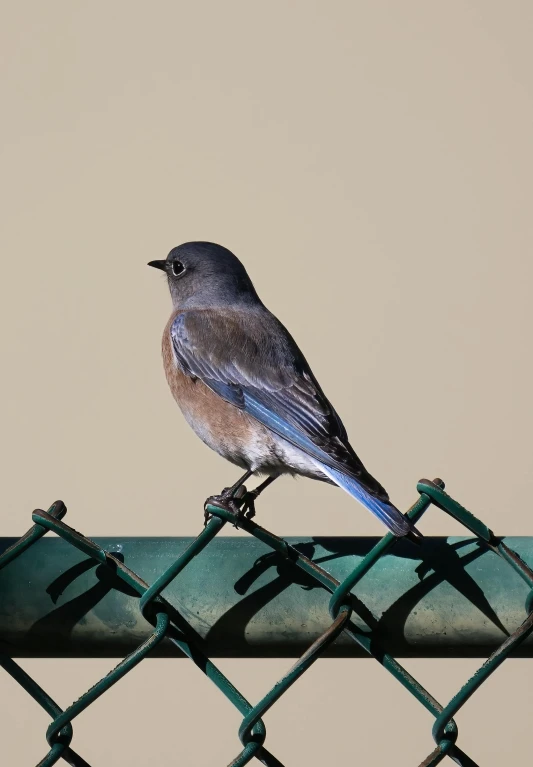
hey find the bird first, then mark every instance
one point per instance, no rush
(247, 391)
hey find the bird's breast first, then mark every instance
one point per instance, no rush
(220, 425)
(231, 432)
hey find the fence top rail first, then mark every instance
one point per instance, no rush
(450, 597)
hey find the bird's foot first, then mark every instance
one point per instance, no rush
(228, 500)
(246, 505)
(247, 509)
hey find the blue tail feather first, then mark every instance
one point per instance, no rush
(385, 512)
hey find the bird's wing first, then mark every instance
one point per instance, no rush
(250, 360)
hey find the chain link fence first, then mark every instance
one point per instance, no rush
(342, 608)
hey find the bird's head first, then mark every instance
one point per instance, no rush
(203, 274)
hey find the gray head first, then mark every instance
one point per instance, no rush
(205, 274)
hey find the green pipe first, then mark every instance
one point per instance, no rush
(450, 597)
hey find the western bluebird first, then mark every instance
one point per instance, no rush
(246, 389)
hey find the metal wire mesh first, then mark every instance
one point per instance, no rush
(252, 732)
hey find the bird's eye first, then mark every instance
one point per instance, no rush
(177, 268)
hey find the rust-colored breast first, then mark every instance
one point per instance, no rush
(182, 387)
(222, 426)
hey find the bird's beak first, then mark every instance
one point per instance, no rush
(158, 265)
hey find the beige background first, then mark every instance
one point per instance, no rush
(371, 164)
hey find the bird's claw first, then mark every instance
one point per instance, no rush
(228, 500)
(224, 502)
(241, 504)
(247, 510)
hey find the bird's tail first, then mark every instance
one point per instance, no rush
(397, 523)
